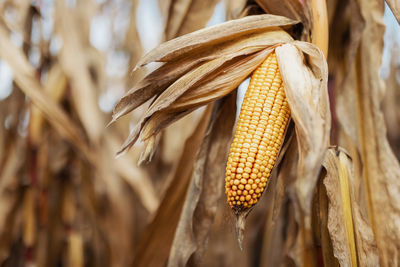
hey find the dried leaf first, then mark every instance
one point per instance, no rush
(360, 96)
(207, 82)
(222, 82)
(133, 45)
(213, 87)
(205, 189)
(186, 16)
(153, 249)
(323, 232)
(395, 7)
(160, 79)
(340, 218)
(355, 243)
(306, 91)
(234, 8)
(294, 9)
(212, 36)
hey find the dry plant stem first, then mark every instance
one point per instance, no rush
(347, 209)
(320, 31)
(363, 151)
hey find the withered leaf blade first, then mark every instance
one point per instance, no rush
(352, 238)
(153, 248)
(307, 95)
(186, 16)
(340, 220)
(169, 95)
(234, 8)
(208, 81)
(395, 7)
(367, 130)
(294, 9)
(158, 80)
(212, 36)
(161, 120)
(221, 83)
(205, 188)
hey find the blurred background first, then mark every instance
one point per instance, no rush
(65, 200)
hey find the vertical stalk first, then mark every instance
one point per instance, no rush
(320, 31)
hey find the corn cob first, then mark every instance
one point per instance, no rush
(258, 138)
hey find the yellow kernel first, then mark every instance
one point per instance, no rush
(247, 170)
(250, 159)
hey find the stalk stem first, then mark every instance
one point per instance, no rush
(320, 31)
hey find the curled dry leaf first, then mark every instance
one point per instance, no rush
(234, 8)
(197, 67)
(154, 246)
(395, 7)
(358, 100)
(294, 9)
(211, 36)
(160, 79)
(185, 16)
(352, 238)
(206, 187)
(306, 91)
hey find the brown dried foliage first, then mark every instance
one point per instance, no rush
(65, 200)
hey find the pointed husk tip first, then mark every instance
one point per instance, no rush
(240, 223)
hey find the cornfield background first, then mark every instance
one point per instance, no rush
(66, 200)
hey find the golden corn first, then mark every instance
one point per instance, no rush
(259, 135)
